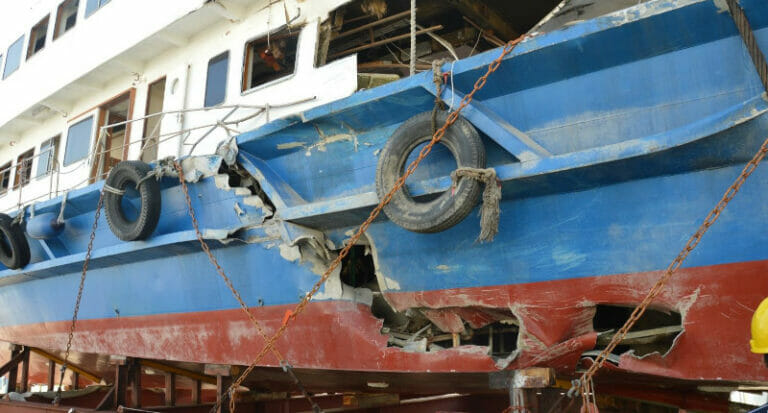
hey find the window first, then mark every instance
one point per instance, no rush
(13, 57)
(216, 86)
(49, 151)
(37, 37)
(270, 58)
(78, 141)
(23, 168)
(5, 177)
(151, 139)
(66, 17)
(93, 5)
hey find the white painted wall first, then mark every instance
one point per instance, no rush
(124, 31)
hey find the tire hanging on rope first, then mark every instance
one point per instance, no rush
(452, 206)
(14, 248)
(128, 176)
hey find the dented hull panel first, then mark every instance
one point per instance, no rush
(716, 301)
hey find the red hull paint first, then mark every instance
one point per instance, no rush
(716, 303)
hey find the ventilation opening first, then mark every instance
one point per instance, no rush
(654, 332)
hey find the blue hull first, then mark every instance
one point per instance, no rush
(612, 138)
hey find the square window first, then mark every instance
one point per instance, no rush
(49, 151)
(216, 85)
(66, 17)
(92, 5)
(5, 177)
(37, 37)
(78, 141)
(23, 168)
(270, 58)
(13, 57)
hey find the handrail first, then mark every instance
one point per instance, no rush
(152, 140)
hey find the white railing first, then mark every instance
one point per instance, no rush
(55, 174)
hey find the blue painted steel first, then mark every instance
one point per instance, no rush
(44, 226)
(636, 122)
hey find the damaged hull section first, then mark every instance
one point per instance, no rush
(555, 319)
(604, 175)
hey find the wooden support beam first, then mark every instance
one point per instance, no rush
(17, 355)
(196, 392)
(385, 41)
(75, 380)
(486, 17)
(51, 374)
(77, 369)
(135, 373)
(379, 22)
(179, 371)
(222, 385)
(15, 360)
(170, 389)
(121, 385)
(24, 385)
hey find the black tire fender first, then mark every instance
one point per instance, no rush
(14, 248)
(448, 209)
(128, 174)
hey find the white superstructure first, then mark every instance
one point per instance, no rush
(85, 84)
(71, 67)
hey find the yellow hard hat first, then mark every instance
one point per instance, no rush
(759, 342)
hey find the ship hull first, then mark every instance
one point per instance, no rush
(590, 217)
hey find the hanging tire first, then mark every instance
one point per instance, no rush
(448, 209)
(127, 175)
(14, 248)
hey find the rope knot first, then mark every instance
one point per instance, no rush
(490, 211)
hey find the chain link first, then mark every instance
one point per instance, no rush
(72, 326)
(204, 245)
(585, 382)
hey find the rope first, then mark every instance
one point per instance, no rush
(437, 79)
(60, 218)
(112, 190)
(412, 57)
(19, 218)
(748, 36)
(490, 211)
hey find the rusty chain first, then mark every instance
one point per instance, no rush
(436, 137)
(86, 261)
(585, 382)
(215, 262)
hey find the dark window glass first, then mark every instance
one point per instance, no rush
(66, 17)
(37, 37)
(5, 177)
(93, 5)
(267, 60)
(13, 57)
(23, 168)
(78, 141)
(49, 151)
(216, 86)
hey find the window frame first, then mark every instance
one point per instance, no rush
(20, 41)
(52, 160)
(215, 59)
(8, 168)
(26, 157)
(58, 23)
(93, 117)
(100, 4)
(32, 38)
(248, 56)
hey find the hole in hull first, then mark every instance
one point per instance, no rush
(654, 332)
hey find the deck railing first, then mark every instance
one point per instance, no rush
(154, 139)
